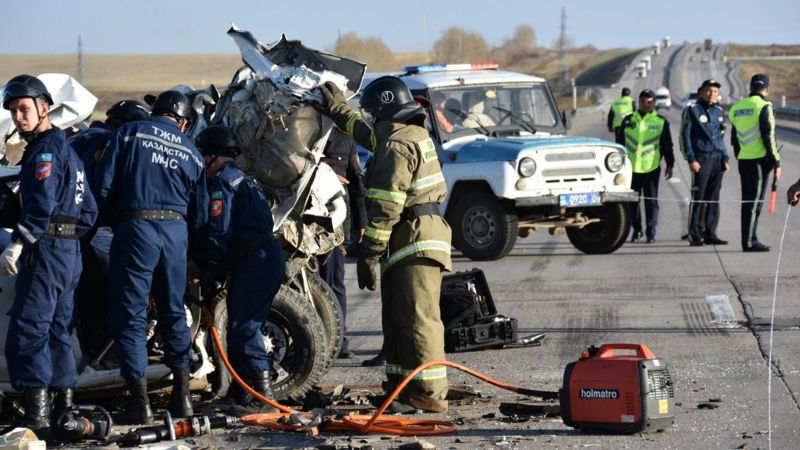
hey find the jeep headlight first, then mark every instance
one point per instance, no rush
(527, 167)
(615, 161)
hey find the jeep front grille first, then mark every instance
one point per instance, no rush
(569, 156)
(569, 174)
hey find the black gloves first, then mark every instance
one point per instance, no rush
(367, 274)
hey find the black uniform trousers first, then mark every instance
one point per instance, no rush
(331, 270)
(754, 175)
(705, 187)
(646, 185)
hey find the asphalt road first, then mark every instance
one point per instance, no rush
(705, 310)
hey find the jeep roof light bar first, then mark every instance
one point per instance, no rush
(450, 67)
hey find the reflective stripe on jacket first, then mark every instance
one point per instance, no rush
(745, 117)
(642, 141)
(403, 172)
(622, 108)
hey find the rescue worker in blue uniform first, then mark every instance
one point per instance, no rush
(753, 140)
(153, 189)
(704, 148)
(90, 144)
(57, 208)
(340, 153)
(238, 243)
(646, 137)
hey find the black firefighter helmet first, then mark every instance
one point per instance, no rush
(218, 140)
(25, 86)
(174, 103)
(388, 98)
(125, 111)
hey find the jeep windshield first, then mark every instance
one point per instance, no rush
(493, 110)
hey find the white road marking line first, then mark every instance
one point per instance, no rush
(722, 315)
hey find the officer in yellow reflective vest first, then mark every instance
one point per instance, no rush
(753, 140)
(646, 137)
(405, 186)
(620, 109)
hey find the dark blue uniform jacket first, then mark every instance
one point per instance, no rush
(163, 171)
(238, 216)
(703, 130)
(53, 188)
(90, 144)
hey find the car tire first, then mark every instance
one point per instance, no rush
(330, 311)
(484, 228)
(605, 236)
(295, 339)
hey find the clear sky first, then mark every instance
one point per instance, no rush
(199, 26)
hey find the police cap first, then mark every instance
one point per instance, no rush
(174, 103)
(218, 140)
(25, 86)
(759, 81)
(711, 83)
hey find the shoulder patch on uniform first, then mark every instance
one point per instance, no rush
(44, 157)
(216, 207)
(43, 170)
(427, 149)
(216, 195)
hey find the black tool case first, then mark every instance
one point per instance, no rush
(469, 314)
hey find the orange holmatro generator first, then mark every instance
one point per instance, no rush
(620, 393)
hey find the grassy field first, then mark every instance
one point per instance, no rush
(117, 77)
(784, 75)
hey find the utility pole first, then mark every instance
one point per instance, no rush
(425, 35)
(562, 42)
(80, 59)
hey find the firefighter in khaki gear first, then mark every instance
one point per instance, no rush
(753, 140)
(405, 186)
(645, 135)
(620, 109)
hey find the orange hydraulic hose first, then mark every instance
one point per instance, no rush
(233, 373)
(359, 423)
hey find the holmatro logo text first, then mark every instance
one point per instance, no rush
(612, 394)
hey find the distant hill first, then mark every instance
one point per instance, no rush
(116, 77)
(784, 75)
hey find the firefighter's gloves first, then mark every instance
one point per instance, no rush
(333, 96)
(9, 257)
(367, 272)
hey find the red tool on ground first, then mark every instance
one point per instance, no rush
(773, 194)
(608, 391)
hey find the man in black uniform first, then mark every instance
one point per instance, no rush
(340, 153)
(703, 146)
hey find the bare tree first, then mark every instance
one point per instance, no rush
(371, 51)
(460, 46)
(524, 40)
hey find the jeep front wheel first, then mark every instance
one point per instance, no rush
(483, 227)
(604, 236)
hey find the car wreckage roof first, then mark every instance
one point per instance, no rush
(443, 79)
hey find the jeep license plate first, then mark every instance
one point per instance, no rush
(586, 199)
